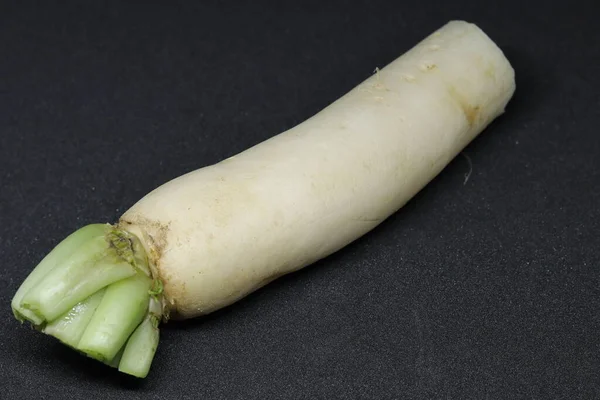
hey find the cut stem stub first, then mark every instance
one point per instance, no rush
(94, 293)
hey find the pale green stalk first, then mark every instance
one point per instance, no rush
(63, 250)
(122, 308)
(140, 349)
(87, 271)
(70, 327)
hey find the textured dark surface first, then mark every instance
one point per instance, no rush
(483, 290)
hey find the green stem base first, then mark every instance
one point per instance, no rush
(94, 293)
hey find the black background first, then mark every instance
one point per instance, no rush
(483, 290)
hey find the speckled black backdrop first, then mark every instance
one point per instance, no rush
(483, 290)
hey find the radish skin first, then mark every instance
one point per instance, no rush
(219, 233)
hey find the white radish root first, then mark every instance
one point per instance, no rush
(217, 234)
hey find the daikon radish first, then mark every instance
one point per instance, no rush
(208, 238)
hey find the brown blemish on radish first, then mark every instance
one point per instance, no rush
(427, 66)
(471, 111)
(153, 236)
